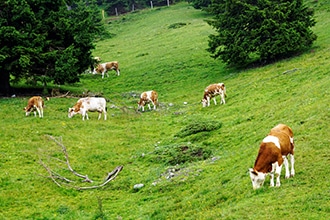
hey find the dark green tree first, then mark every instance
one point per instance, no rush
(46, 41)
(200, 4)
(259, 31)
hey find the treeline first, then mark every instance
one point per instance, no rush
(116, 7)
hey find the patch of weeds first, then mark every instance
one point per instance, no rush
(176, 25)
(197, 127)
(142, 54)
(63, 210)
(180, 153)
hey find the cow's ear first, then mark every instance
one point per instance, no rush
(253, 171)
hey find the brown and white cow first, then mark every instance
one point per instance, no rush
(35, 104)
(212, 91)
(273, 152)
(89, 104)
(105, 67)
(147, 98)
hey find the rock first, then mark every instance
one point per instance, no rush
(138, 186)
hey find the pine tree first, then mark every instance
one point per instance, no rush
(46, 41)
(259, 31)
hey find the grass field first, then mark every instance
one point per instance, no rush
(175, 63)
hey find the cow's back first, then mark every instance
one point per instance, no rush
(92, 103)
(111, 65)
(283, 128)
(285, 142)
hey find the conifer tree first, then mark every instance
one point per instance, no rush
(46, 41)
(259, 31)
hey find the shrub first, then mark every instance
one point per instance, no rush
(180, 153)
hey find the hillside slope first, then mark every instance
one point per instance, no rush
(164, 49)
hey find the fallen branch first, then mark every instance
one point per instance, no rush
(85, 177)
(113, 175)
(290, 71)
(55, 176)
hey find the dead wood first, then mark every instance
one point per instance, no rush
(60, 180)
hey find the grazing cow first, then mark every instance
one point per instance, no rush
(95, 62)
(89, 104)
(35, 104)
(273, 152)
(212, 91)
(97, 59)
(104, 67)
(146, 98)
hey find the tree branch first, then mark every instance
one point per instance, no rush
(54, 176)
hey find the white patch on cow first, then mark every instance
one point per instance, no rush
(272, 139)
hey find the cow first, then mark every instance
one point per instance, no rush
(97, 59)
(104, 67)
(35, 104)
(89, 104)
(273, 152)
(146, 98)
(95, 62)
(212, 91)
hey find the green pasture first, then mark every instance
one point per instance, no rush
(165, 49)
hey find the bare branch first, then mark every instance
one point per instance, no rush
(54, 176)
(85, 177)
(111, 176)
(50, 173)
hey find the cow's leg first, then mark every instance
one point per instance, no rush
(105, 114)
(278, 174)
(292, 164)
(286, 165)
(215, 101)
(118, 72)
(222, 96)
(272, 175)
(35, 113)
(208, 101)
(42, 112)
(100, 115)
(84, 114)
(154, 105)
(149, 106)
(38, 110)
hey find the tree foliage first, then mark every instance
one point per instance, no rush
(200, 4)
(259, 31)
(124, 6)
(46, 41)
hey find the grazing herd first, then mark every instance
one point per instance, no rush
(274, 149)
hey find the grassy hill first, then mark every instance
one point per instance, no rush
(164, 49)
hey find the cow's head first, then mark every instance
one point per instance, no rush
(204, 102)
(141, 104)
(27, 111)
(96, 70)
(257, 178)
(71, 112)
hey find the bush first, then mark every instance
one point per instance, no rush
(181, 153)
(197, 127)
